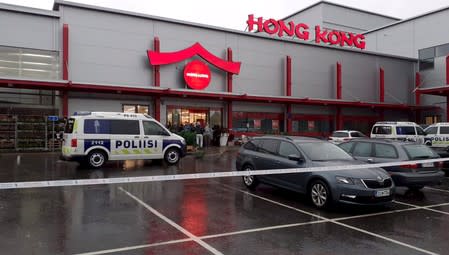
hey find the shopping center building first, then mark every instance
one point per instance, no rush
(323, 68)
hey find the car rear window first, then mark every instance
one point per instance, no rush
(69, 126)
(382, 130)
(324, 151)
(340, 134)
(415, 151)
(405, 130)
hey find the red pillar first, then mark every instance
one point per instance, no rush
(382, 86)
(289, 118)
(229, 75)
(447, 70)
(339, 120)
(447, 107)
(230, 115)
(157, 108)
(156, 68)
(65, 68)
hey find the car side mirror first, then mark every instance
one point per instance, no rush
(295, 157)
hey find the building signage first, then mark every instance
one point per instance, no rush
(301, 31)
(197, 75)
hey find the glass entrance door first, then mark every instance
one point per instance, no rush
(178, 116)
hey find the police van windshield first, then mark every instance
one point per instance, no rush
(69, 126)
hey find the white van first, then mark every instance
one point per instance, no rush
(96, 137)
(398, 130)
(437, 135)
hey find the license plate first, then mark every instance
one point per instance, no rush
(427, 164)
(382, 193)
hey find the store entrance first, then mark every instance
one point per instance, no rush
(178, 116)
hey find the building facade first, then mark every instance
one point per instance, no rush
(86, 58)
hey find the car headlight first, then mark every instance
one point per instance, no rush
(344, 180)
(183, 141)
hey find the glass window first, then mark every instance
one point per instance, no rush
(125, 127)
(444, 130)
(286, 149)
(362, 150)
(340, 134)
(419, 151)
(442, 50)
(346, 146)
(385, 151)
(142, 109)
(357, 134)
(404, 130)
(69, 126)
(324, 151)
(427, 53)
(152, 128)
(426, 64)
(94, 126)
(269, 146)
(420, 131)
(382, 130)
(431, 130)
(29, 63)
(250, 146)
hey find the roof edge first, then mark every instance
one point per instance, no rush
(342, 6)
(29, 10)
(408, 19)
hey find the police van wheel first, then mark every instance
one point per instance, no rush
(96, 159)
(172, 156)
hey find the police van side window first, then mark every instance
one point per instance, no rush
(444, 130)
(152, 128)
(431, 130)
(94, 126)
(125, 127)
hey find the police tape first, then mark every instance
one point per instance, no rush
(177, 177)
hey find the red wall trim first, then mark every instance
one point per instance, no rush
(229, 110)
(156, 68)
(288, 84)
(157, 108)
(447, 70)
(417, 84)
(382, 86)
(65, 52)
(339, 86)
(229, 74)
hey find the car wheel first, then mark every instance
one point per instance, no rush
(96, 159)
(250, 181)
(320, 194)
(172, 156)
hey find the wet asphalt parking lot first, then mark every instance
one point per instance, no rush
(207, 216)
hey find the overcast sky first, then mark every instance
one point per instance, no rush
(233, 13)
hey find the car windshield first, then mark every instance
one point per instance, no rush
(339, 134)
(415, 151)
(323, 151)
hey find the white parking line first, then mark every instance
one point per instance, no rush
(135, 247)
(173, 224)
(425, 207)
(339, 223)
(435, 189)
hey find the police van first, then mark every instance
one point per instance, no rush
(398, 130)
(96, 137)
(438, 135)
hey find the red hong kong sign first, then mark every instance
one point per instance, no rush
(197, 75)
(301, 31)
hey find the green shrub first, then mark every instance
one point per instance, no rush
(190, 137)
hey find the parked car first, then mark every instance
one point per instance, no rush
(437, 136)
(357, 186)
(413, 176)
(340, 136)
(398, 130)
